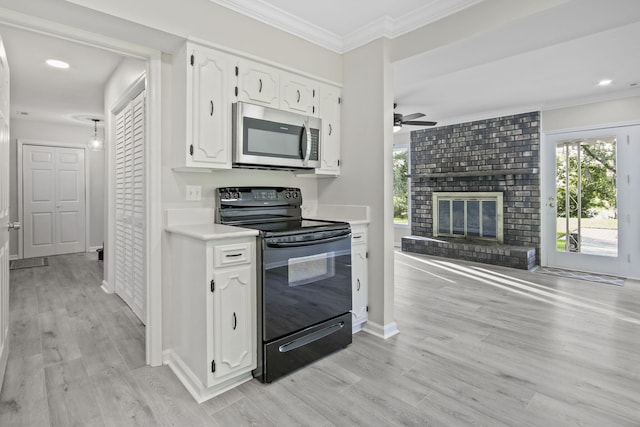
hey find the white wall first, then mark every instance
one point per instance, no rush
(25, 129)
(209, 21)
(366, 165)
(594, 114)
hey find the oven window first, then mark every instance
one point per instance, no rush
(312, 268)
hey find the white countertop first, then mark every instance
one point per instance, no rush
(211, 231)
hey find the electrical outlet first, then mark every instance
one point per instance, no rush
(194, 193)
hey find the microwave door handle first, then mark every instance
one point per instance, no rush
(306, 130)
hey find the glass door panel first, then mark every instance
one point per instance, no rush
(586, 196)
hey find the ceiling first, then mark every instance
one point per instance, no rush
(40, 92)
(342, 25)
(547, 60)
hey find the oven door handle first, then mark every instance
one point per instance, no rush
(308, 242)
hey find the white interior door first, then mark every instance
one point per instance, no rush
(54, 200)
(588, 201)
(70, 201)
(4, 211)
(130, 225)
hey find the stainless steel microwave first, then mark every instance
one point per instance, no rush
(272, 138)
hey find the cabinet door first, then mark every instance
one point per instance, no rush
(359, 282)
(232, 308)
(330, 145)
(258, 84)
(298, 94)
(210, 109)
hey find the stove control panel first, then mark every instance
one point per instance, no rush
(258, 196)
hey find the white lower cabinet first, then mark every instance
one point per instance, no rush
(359, 283)
(213, 305)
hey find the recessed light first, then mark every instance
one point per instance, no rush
(56, 63)
(22, 113)
(605, 82)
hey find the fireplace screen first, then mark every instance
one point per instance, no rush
(476, 215)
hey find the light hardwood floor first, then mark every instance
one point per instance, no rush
(479, 345)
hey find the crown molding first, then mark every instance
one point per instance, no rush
(285, 21)
(385, 26)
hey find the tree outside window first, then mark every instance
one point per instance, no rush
(401, 185)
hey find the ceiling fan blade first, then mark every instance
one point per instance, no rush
(412, 116)
(419, 123)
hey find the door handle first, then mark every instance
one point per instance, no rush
(14, 225)
(235, 321)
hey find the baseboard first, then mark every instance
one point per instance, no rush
(384, 332)
(13, 257)
(94, 248)
(106, 288)
(193, 384)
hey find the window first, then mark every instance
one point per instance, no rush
(468, 214)
(401, 185)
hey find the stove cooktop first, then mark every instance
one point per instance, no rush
(295, 226)
(271, 210)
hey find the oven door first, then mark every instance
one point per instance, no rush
(305, 282)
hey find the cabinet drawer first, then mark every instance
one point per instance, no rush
(358, 237)
(226, 255)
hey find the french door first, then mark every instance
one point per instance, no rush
(588, 201)
(54, 200)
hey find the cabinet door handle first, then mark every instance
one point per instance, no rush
(298, 101)
(235, 321)
(330, 129)
(260, 85)
(211, 108)
(358, 289)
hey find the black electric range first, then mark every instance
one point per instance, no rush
(304, 277)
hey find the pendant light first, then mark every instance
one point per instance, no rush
(95, 143)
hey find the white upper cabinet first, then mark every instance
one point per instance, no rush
(211, 112)
(298, 94)
(205, 84)
(330, 146)
(257, 83)
(202, 108)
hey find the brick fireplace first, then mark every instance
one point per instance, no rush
(458, 167)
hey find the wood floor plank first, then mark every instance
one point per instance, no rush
(59, 343)
(121, 401)
(23, 401)
(242, 413)
(281, 406)
(170, 403)
(221, 401)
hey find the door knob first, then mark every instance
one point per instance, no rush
(14, 225)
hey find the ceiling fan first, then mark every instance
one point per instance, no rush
(409, 119)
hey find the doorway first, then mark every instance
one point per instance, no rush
(587, 200)
(152, 183)
(53, 199)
